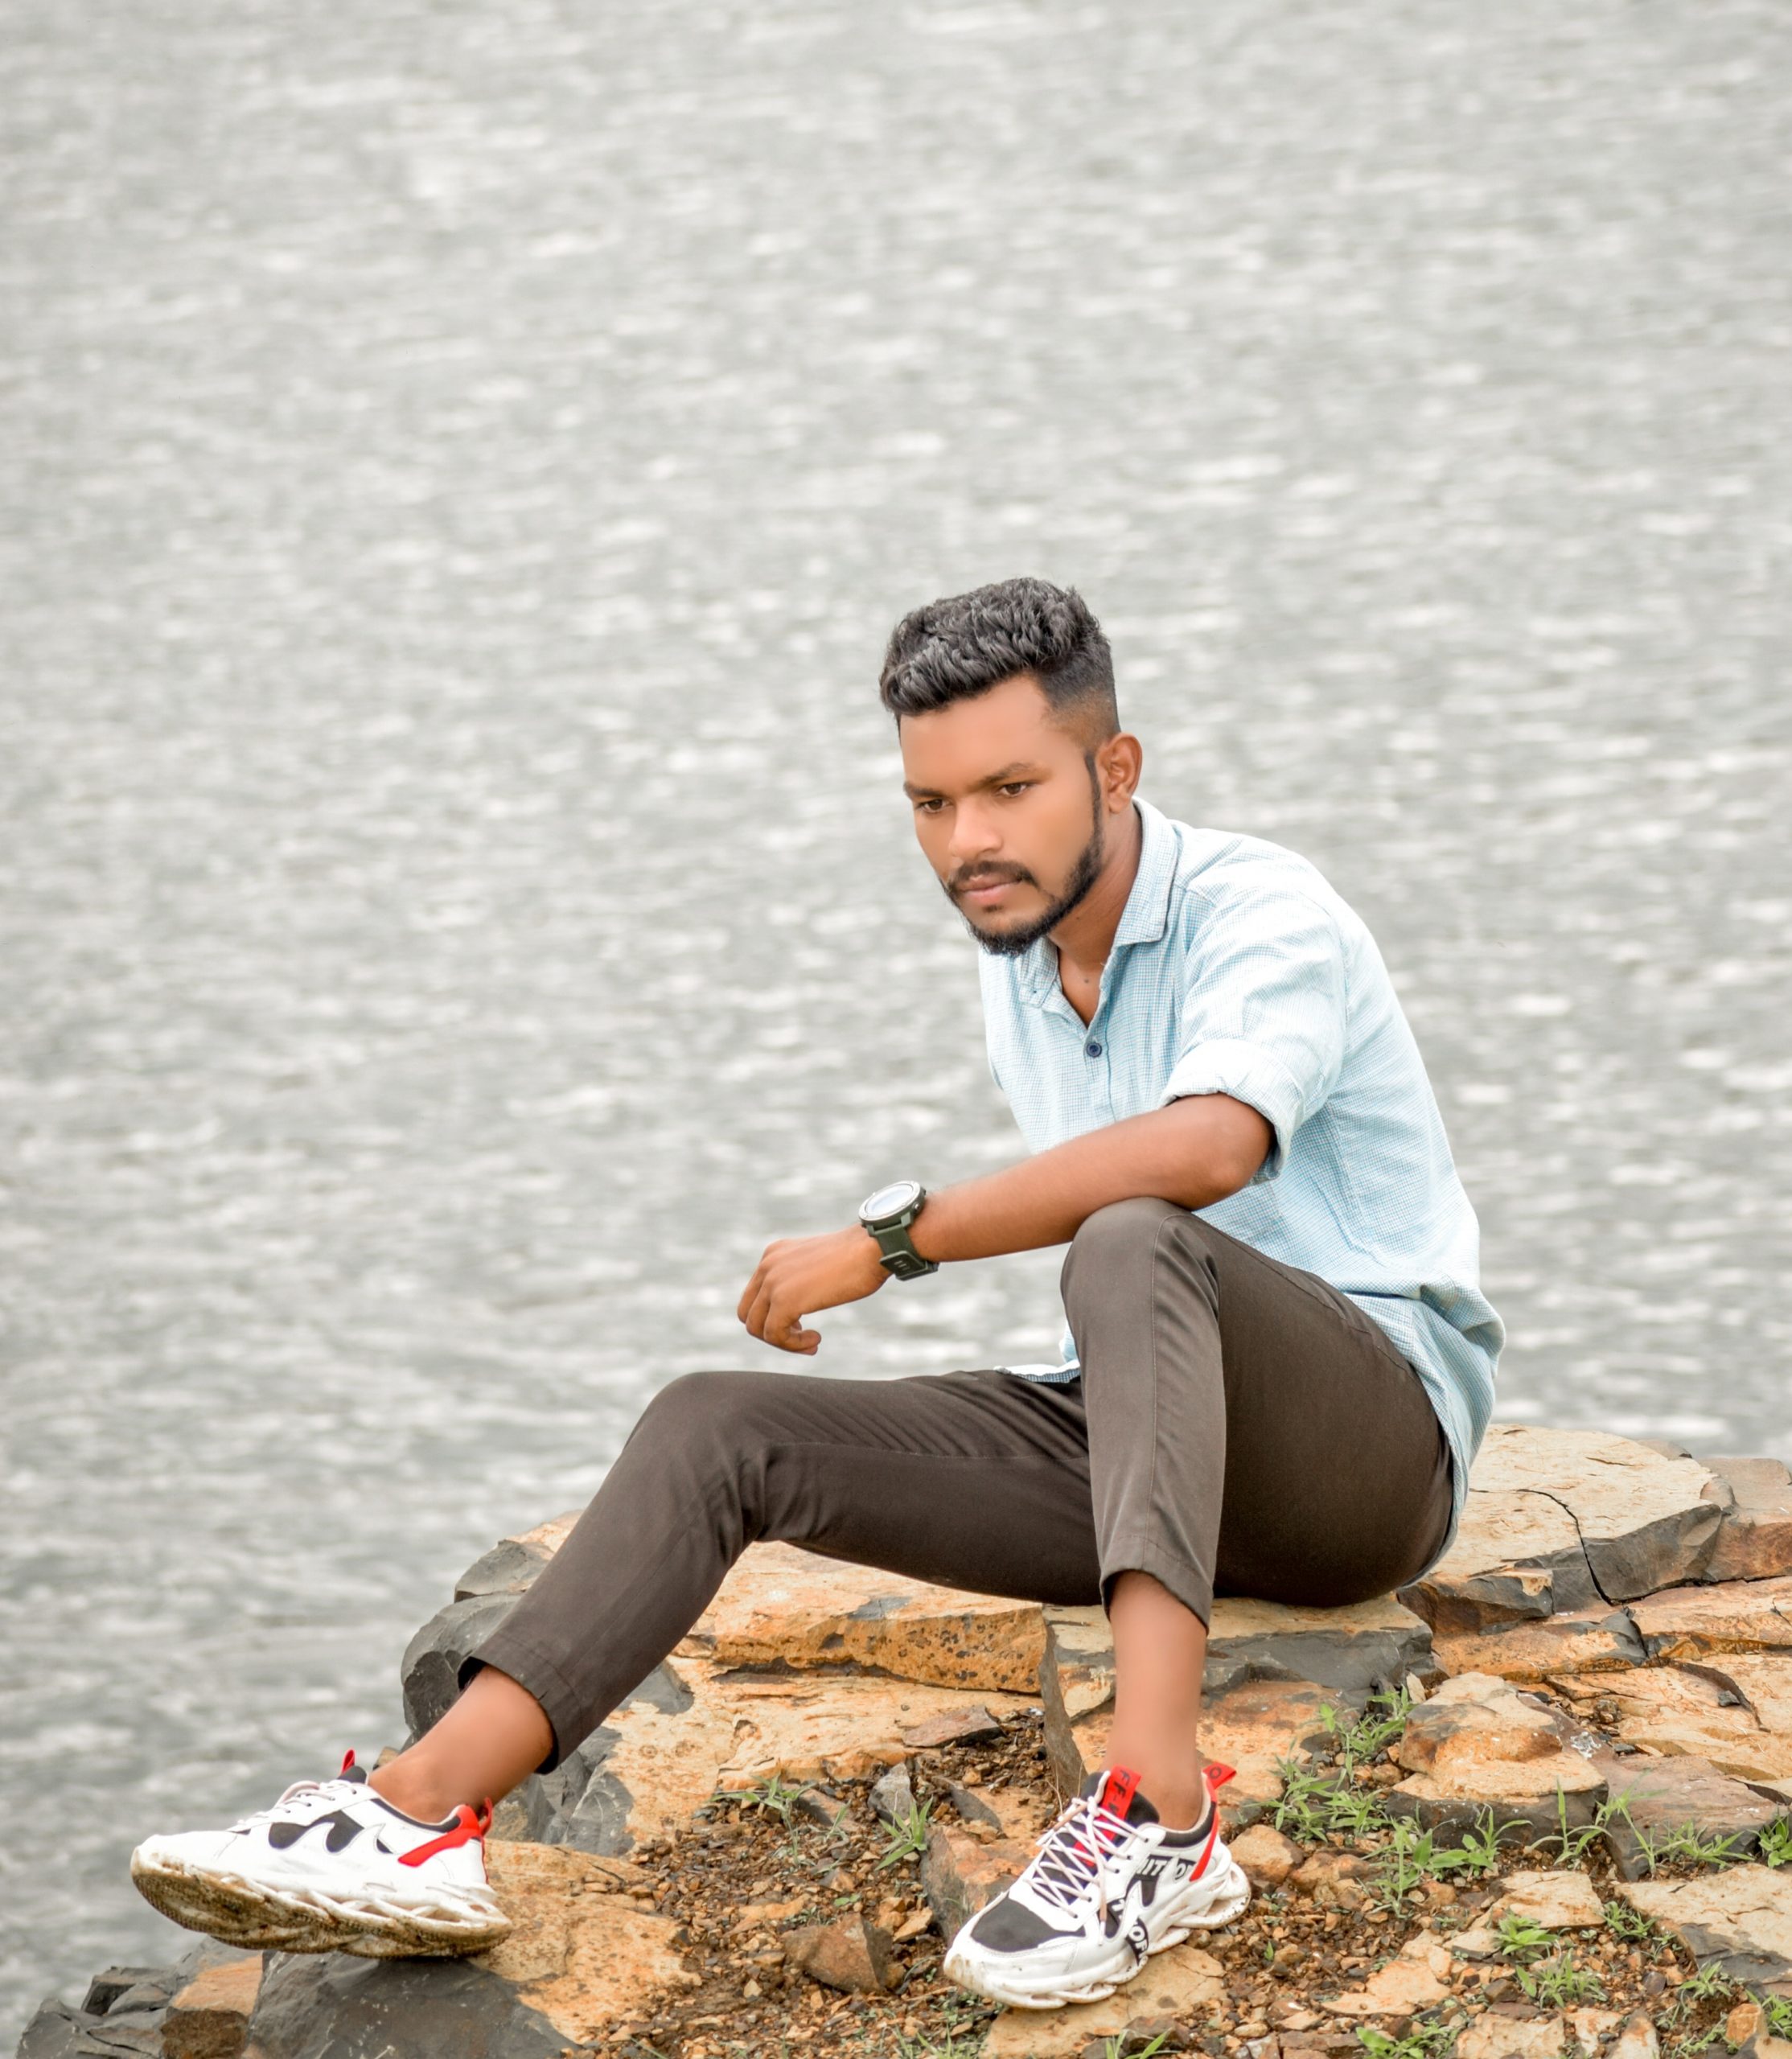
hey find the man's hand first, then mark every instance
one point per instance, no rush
(798, 1276)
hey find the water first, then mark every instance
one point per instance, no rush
(459, 468)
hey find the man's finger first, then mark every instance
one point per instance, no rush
(751, 1295)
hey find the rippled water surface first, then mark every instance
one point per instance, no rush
(458, 467)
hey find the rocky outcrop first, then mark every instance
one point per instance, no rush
(1560, 1521)
(1477, 1746)
(1607, 1650)
(1740, 1921)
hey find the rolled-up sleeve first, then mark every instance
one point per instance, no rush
(1263, 1016)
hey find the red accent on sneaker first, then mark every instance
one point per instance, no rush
(348, 1760)
(469, 1829)
(1118, 1787)
(1214, 1776)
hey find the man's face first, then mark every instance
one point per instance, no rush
(1007, 809)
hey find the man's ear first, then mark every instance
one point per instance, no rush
(1119, 762)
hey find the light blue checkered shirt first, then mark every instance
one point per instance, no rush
(1236, 969)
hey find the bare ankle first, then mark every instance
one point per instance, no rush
(412, 1791)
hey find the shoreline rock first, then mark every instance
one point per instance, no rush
(770, 1841)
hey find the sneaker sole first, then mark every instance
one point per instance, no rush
(1221, 1908)
(254, 1916)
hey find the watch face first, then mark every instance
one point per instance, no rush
(889, 1200)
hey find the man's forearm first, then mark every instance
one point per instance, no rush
(1197, 1150)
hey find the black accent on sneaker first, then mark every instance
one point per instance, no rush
(1141, 1811)
(1007, 1925)
(343, 1830)
(356, 1776)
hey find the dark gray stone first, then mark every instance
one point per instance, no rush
(1357, 1661)
(59, 2031)
(430, 1668)
(892, 1795)
(327, 2006)
(970, 1805)
(106, 1989)
(506, 1568)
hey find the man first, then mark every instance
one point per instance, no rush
(1278, 1365)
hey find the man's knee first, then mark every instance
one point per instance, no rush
(1113, 1232)
(707, 1417)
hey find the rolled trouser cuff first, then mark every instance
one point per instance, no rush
(1189, 1585)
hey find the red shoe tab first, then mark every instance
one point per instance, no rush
(348, 1760)
(1118, 1787)
(1216, 1776)
(469, 1829)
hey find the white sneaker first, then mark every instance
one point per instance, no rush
(1107, 1887)
(330, 1867)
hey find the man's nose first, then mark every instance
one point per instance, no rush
(973, 835)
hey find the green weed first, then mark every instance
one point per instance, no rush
(1776, 1842)
(1422, 2041)
(1522, 1939)
(1628, 1923)
(1779, 2012)
(908, 1836)
(1559, 1984)
(771, 1794)
(1688, 1846)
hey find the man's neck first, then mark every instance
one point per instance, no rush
(1086, 935)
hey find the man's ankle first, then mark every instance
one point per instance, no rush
(410, 1790)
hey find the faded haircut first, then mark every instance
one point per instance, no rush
(955, 649)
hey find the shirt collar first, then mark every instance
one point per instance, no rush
(1144, 918)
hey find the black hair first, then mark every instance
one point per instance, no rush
(955, 649)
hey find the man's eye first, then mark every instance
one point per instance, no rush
(1014, 786)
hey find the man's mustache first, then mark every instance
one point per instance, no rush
(965, 883)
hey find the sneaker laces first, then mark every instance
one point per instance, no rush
(1075, 1855)
(303, 1796)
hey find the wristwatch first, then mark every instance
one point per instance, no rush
(887, 1215)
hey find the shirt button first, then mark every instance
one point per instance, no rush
(1094, 1051)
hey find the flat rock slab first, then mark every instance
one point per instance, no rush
(1740, 1919)
(1185, 1981)
(1418, 1976)
(1564, 1900)
(1691, 1622)
(1754, 1539)
(783, 1606)
(1703, 1710)
(660, 1759)
(1662, 1796)
(1597, 1640)
(1561, 1520)
(1477, 1744)
(1496, 2036)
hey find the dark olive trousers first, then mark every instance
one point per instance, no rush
(1240, 1427)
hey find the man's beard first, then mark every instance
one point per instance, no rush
(1013, 943)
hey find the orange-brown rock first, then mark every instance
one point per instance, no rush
(1702, 1712)
(1562, 1520)
(1266, 1857)
(208, 2018)
(1418, 1976)
(1185, 1981)
(853, 1955)
(656, 1761)
(781, 1606)
(1562, 1900)
(1477, 1744)
(1691, 1622)
(1754, 1540)
(1589, 1641)
(960, 1872)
